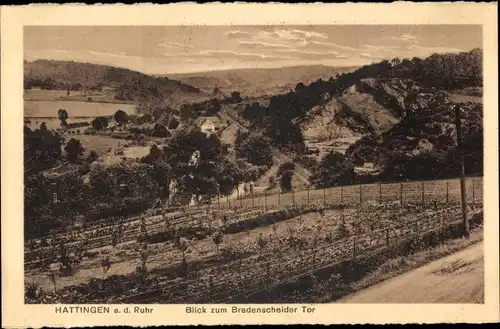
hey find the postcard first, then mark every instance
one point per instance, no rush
(249, 164)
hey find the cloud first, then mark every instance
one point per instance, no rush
(175, 45)
(378, 47)
(306, 54)
(241, 54)
(369, 56)
(406, 38)
(237, 34)
(261, 44)
(119, 54)
(294, 35)
(310, 34)
(228, 54)
(331, 45)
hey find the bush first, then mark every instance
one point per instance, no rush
(173, 124)
(84, 169)
(288, 166)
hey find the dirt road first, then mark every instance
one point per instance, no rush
(458, 278)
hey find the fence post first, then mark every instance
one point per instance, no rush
(253, 201)
(442, 227)
(401, 193)
(379, 193)
(473, 193)
(354, 248)
(293, 197)
(447, 191)
(324, 195)
(218, 201)
(423, 193)
(360, 194)
(241, 202)
(228, 202)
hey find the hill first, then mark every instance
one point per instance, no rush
(125, 85)
(389, 113)
(259, 82)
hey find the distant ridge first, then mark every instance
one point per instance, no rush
(258, 82)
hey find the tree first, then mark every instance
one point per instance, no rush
(101, 183)
(286, 180)
(199, 163)
(62, 114)
(299, 87)
(93, 156)
(73, 150)
(160, 131)
(334, 169)
(42, 149)
(254, 148)
(287, 166)
(236, 97)
(100, 123)
(173, 123)
(121, 117)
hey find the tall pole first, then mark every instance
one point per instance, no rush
(458, 124)
(360, 195)
(447, 192)
(423, 193)
(379, 193)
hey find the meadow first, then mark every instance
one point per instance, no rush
(48, 109)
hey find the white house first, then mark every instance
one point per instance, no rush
(208, 124)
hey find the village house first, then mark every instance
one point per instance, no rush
(208, 125)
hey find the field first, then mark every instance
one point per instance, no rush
(221, 255)
(100, 144)
(48, 109)
(76, 96)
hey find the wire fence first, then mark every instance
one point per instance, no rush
(439, 191)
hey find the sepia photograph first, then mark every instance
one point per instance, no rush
(251, 164)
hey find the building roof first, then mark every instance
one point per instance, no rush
(201, 120)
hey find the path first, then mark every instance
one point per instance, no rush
(458, 278)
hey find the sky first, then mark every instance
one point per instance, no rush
(186, 49)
